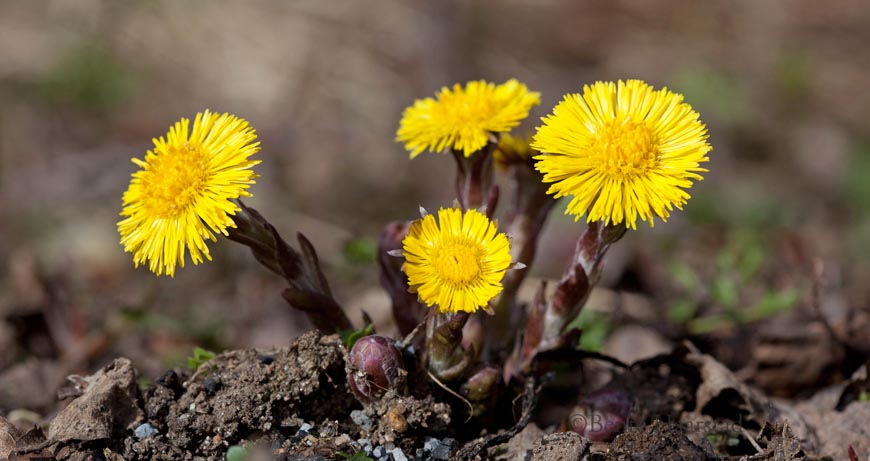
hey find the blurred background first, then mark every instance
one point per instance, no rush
(86, 84)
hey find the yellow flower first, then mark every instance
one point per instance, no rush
(622, 151)
(182, 193)
(513, 150)
(462, 119)
(458, 265)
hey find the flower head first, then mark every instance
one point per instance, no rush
(623, 151)
(463, 118)
(458, 262)
(513, 150)
(182, 193)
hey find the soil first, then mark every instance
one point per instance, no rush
(294, 403)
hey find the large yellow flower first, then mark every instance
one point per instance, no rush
(457, 263)
(622, 151)
(182, 193)
(462, 119)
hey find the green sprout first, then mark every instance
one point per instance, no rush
(595, 327)
(350, 337)
(236, 453)
(358, 456)
(737, 265)
(199, 357)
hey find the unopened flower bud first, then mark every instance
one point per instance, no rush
(482, 385)
(374, 365)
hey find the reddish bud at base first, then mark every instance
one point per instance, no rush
(374, 365)
(601, 415)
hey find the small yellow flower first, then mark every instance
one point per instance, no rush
(462, 119)
(182, 193)
(457, 263)
(622, 151)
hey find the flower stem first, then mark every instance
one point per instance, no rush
(546, 323)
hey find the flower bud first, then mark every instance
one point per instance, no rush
(481, 389)
(601, 415)
(482, 385)
(374, 365)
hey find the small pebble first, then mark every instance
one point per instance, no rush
(441, 453)
(304, 428)
(398, 454)
(169, 379)
(361, 419)
(144, 431)
(211, 386)
(431, 444)
(341, 440)
(378, 451)
(389, 446)
(365, 445)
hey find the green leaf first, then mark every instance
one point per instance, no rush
(724, 291)
(236, 453)
(199, 357)
(682, 310)
(709, 324)
(350, 337)
(595, 327)
(358, 456)
(685, 277)
(772, 303)
(362, 250)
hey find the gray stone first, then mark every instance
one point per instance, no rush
(441, 452)
(398, 454)
(144, 431)
(361, 419)
(365, 445)
(431, 444)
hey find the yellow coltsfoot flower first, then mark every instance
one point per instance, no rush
(464, 118)
(183, 192)
(513, 150)
(623, 151)
(458, 262)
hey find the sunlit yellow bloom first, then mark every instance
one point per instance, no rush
(458, 262)
(182, 193)
(623, 151)
(512, 150)
(463, 118)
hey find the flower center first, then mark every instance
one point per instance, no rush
(174, 180)
(458, 261)
(623, 149)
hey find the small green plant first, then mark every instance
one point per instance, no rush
(350, 337)
(737, 265)
(360, 250)
(358, 456)
(864, 396)
(595, 327)
(236, 453)
(199, 357)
